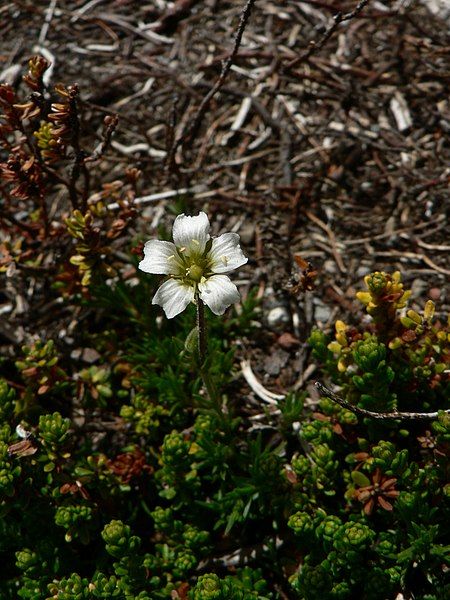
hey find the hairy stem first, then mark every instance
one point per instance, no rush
(211, 389)
(201, 331)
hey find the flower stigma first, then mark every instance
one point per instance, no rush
(195, 273)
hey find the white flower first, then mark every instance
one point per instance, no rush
(196, 264)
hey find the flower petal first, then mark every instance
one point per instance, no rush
(161, 258)
(218, 292)
(173, 296)
(226, 254)
(191, 233)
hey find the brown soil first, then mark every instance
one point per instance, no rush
(328, 138)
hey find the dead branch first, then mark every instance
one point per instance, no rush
(314, 46)
(192, 131)
(402, 416)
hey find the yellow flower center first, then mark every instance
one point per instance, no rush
(195, 272)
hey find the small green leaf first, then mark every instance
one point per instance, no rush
(104, 391)
(360, 479)
(82, 472)
(191, 343)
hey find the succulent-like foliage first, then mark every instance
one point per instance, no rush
(388, 477)
(155, 492)
(122, 477)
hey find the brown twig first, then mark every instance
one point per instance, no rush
(331, 237)
(403, 416)
(191, 132)
(36, 153)
(314, 46)
(110, 125)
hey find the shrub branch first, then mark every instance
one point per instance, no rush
(403, 416)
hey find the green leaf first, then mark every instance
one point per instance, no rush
(191, 343)
(360, 479)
